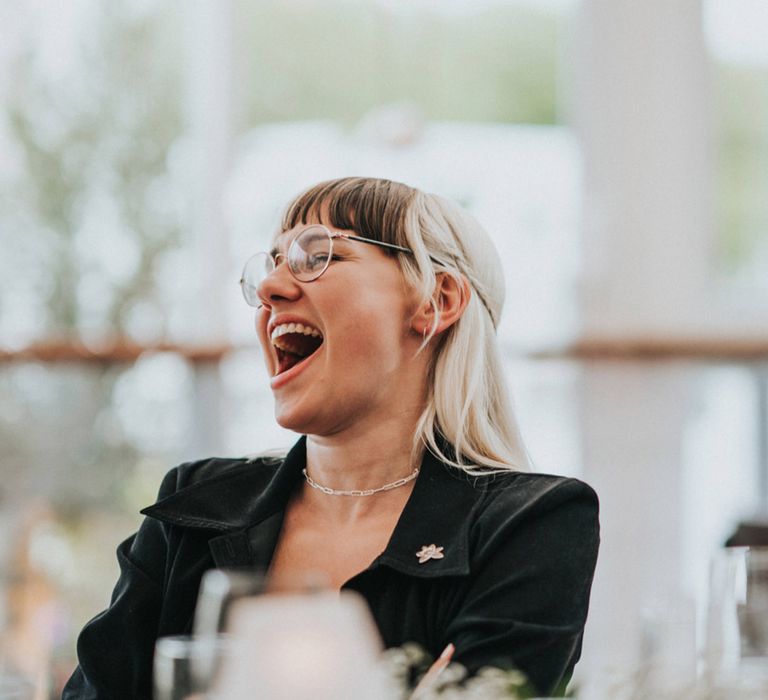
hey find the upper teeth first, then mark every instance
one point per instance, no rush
(284, 328)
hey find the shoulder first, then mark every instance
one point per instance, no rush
(528, 490)
(225, 493)
(216, 469)
(521, 500)
(218, 493)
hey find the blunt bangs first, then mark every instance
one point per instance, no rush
(374, 209)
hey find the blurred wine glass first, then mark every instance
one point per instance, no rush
(187, 667)
(220, 591)
(736, 648)
(181, 669)
(289, 638)
(297, 647)
(667, 666)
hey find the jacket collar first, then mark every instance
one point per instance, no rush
(242, 495)
(438, 512)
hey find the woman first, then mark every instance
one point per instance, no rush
(377, 313)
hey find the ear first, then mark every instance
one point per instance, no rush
(450, 297)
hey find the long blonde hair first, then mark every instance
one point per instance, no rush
(468, 421)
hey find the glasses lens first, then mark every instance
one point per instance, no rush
(310, 253)
(254, 272)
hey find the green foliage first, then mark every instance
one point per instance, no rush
(741, 97)
(305, 60)
(99, 138)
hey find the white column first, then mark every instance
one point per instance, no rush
(640, 108)
(632, 417)
(209, 102)
(209, 68)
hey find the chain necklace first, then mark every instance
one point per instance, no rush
(355, 492)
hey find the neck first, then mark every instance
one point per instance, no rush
(356, 459)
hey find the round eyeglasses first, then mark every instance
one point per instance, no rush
(308, 256)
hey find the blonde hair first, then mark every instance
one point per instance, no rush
(468, 421)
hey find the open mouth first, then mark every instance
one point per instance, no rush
(294, 343)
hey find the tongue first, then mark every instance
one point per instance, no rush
(298, 344)
(293, 348)
(287, 360)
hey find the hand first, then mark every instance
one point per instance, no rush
(430, 677)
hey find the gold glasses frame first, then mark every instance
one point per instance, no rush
(264, 259)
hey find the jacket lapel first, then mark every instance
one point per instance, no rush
(243, 494)
(437, 513)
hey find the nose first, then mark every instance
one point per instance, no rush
(279, 284)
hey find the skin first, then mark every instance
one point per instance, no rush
(358, 400)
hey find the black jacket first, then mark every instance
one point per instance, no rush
(511, 589)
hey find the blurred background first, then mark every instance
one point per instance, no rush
(616, 151)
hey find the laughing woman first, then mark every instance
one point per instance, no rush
(377, 311)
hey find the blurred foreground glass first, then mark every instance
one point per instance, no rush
(289, 638)
(667, 648)
(181, 669)
(288, 647)
(220, 589)
(736, 649)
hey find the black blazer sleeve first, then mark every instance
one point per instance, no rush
(527, 604)
(115, 648)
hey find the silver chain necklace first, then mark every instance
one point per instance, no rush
(355, 492)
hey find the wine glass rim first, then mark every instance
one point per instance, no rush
(754, 554)
(179, 644)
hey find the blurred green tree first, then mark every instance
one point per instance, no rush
(93, 154)
(299, 60)
(741, 148)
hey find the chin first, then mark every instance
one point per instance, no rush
(315, 419)
(298, 420)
